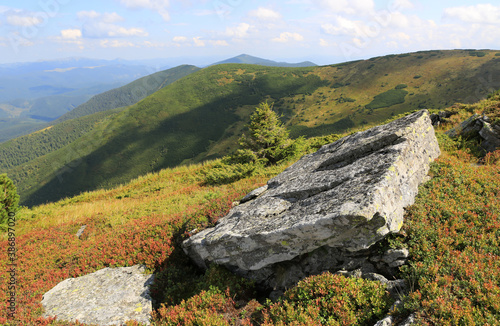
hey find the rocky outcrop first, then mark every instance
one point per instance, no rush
(327, 209)
(479, 126)
(110, 296)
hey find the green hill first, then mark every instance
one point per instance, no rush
(130, 93)
(451, 232)
(201, 116)
(72, 125)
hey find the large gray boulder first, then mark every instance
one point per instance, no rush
(348, 195)
(110, 296)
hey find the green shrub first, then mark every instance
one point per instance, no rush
(477, 53)
(401, 86)
(417, 76)
(222, 173)
(330, 299)
(9, 199)
(386, 99)
(453, 234)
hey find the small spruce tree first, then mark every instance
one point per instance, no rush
(9, 199)
(267, 139)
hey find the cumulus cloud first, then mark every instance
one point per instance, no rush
(100, 25)
(116, 44)
(219, 43)
(265, 14)
(287, 37)
(325, 43)
(198, 42)
(159, 6)
(71, 34)
(238, 31)
(343, 26)
(347, 6)
(179, 39)
(403, 4)
(480, 13)
(24, 20)
(108, 18)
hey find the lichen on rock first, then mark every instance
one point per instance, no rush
(349, 194)
(110, 296)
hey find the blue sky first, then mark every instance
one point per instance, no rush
(203, 31)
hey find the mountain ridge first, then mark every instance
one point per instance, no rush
(248, 59)
(205, 113)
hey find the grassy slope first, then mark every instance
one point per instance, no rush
(63, 132)
(452, 233)
(130, 93)
(202, 115)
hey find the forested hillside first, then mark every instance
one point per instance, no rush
(202, 115)
(69, 127)
(130, 93)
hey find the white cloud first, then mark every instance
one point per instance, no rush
(401, 36)
(108, 18)
(100, 30)
(71, 34)
(265, 14)
(198, 42)
(116, 44)
(239, 31)
(159, 6)
(325, 43)
(402, 4)
(179, 39)
(481, 13)
(24, 20)
(150, 44)
(100, 25)
(343, 26)
(287, 37)
(348, 6)
(219, 43)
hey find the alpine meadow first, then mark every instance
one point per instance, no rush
(147, 165)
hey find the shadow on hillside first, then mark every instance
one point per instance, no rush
(148, 142)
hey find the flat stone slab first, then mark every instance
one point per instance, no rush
(349, 194)
(110, 296)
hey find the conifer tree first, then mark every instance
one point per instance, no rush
(9, 198)
(267, 139)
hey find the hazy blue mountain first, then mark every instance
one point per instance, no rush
(248, 59)
(33, 93)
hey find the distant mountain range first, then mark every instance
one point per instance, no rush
(248, 59)
(201, 113)
(35, 93)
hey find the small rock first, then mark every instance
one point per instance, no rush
(80, 231)
(392, 255)
(110, 296)
(387, 321)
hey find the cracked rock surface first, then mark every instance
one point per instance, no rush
(110, 296)
(349, 195)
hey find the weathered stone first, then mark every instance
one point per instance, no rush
(467, 128)
(349, 194)
(490, 136)
(393, 255)
(479, 125)
(109, 296)
(80, 231)
(408, 321)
